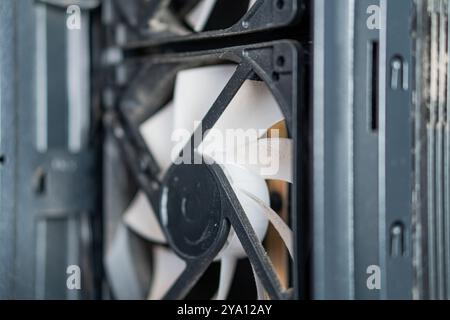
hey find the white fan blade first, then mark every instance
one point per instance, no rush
(123, 256)
(227, 269)
(141, 218)
(243, 179)
(280, 226)
(167, 268)
(199, 16)
(195, 92)
(271, 158)
(248, 116)
(157, 131)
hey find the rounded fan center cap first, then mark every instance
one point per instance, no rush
(191, 209)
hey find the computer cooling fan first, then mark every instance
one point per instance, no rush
(214, 207)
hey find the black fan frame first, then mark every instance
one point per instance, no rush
(262, 62)
(282, 65)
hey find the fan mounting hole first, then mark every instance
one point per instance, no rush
(275, 76)
(281, 61)
(280, 4)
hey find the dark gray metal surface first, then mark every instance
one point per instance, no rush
(49, 203)
(395, 150)
(333, 208)
(362, 150)
(8, 148)
(366, 139)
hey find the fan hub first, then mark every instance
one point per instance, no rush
(191, 209)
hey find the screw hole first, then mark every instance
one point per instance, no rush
(280, 4)
(39, 181)
(275, 76)
(281, 61)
